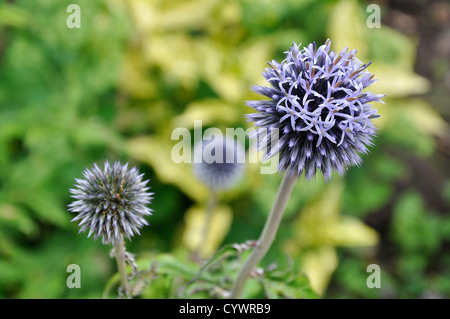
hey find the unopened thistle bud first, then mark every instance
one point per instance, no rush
(219, 162)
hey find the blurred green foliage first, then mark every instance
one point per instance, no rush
(137, 69)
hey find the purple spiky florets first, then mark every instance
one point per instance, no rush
(318, 109)
(218, 162)
(111, 202)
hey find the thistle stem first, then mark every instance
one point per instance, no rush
(267, 236)
(208, 218)
(119, 250)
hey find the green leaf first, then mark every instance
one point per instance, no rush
(299, 288)
(230, 250)
(11, 15)
(47, 207)
(413, 228)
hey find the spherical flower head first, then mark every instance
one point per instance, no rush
(318, 109)
(218, 162)
(111, 202)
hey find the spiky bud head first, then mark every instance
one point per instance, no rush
(111, 202)
(218, 162)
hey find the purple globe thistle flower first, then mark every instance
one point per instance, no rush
(318, 109)
(111, 202)
(218, 162)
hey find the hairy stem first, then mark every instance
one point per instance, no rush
(119, 250)
(267, 236)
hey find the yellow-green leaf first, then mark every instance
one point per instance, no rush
(157, 153)
(318, 265)
(347, 28)
(209, 111)
(397, 82)
(195, 221)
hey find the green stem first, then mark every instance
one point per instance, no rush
(119, 250)
(267, 236)
(208, 218)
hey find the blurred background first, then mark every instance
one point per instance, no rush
(137, 69)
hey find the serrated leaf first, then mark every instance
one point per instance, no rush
(299, 288)
(168, 265)
(225, 252)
